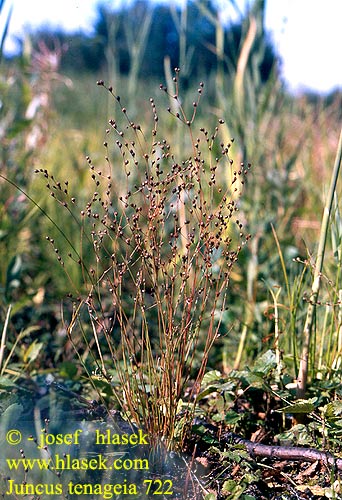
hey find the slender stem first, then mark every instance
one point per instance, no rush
(304, 361)
(42, 211)
(3, 336)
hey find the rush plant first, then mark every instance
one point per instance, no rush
(165, 236)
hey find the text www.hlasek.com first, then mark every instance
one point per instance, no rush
(66, 462)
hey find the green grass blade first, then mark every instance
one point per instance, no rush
(307, 333)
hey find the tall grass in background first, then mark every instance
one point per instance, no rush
(278, 193)
(332, 197)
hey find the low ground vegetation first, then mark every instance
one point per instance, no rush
(159, 257)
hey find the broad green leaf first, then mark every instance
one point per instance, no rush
(333, 409)
(5, 382)
(32, 352)
(254, 379)
(230, 385)
(232, 417)
(300, 406)
(202, 431)
(298, 435)
(234, 488)
(229, 486)
(10, 417)
(207, 390)
(210, 496)
(210, 377)
(68, 370)
(266, 363)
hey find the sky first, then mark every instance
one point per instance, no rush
(307, 34)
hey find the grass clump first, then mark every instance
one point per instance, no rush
(165, 236)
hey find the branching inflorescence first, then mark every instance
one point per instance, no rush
(165, 237)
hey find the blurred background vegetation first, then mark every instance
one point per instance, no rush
(52, 115)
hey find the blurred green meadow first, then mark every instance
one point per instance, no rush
(59, 133)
